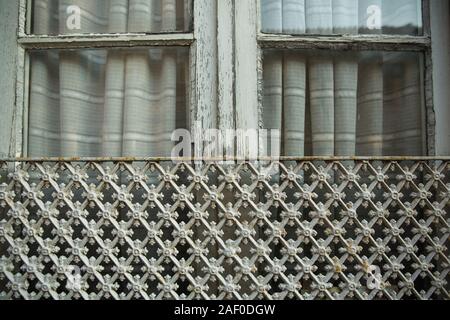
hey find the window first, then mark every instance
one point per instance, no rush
(347, 78)
(328, 103)
(109, 78)
(403, 17)
(335, 78)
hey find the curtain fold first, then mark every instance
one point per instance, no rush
(114, 83)
(293, 16)
(272, 15)
(101, 16)
(342, 16)
(402, 87)
(140, 127)
(81, 102)
(44, 129)
(319, 16)
(370, 95)
(294, 81)
(294, 104)
(402, 84)
(345, 100)
(44, 115)
(107, 103)
(345, 16)
(413, 103)
(81, 92)
(93, 16)
(273, 99)
(321, 90)
(345, 21)
(114, 105)
(345, 104)
(332, 85)
(370, 107)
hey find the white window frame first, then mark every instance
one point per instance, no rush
(256, 41)
(201, 40)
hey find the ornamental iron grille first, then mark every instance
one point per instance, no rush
(290, 229)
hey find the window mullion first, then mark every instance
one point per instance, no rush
(247, 68)
(204, 70)
(226, 51)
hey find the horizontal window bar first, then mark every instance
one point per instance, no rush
(105, 41)
(345, 42)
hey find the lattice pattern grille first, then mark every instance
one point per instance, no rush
(157, 230)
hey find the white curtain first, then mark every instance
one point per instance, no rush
(329, 103)
(402, 17)
(107, 103)
(110, 16)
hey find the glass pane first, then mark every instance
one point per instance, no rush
(354, 103)
(91, 103)
(399, 17)
(55, 17)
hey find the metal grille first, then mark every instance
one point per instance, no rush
(298, 229)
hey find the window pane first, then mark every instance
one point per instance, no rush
(90, 103)
(354, 103)
(401, 17)
(110, 16)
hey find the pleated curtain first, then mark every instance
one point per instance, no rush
(327, 103)
(105, 103)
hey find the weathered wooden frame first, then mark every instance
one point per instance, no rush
(360, 42)
(198, 41)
